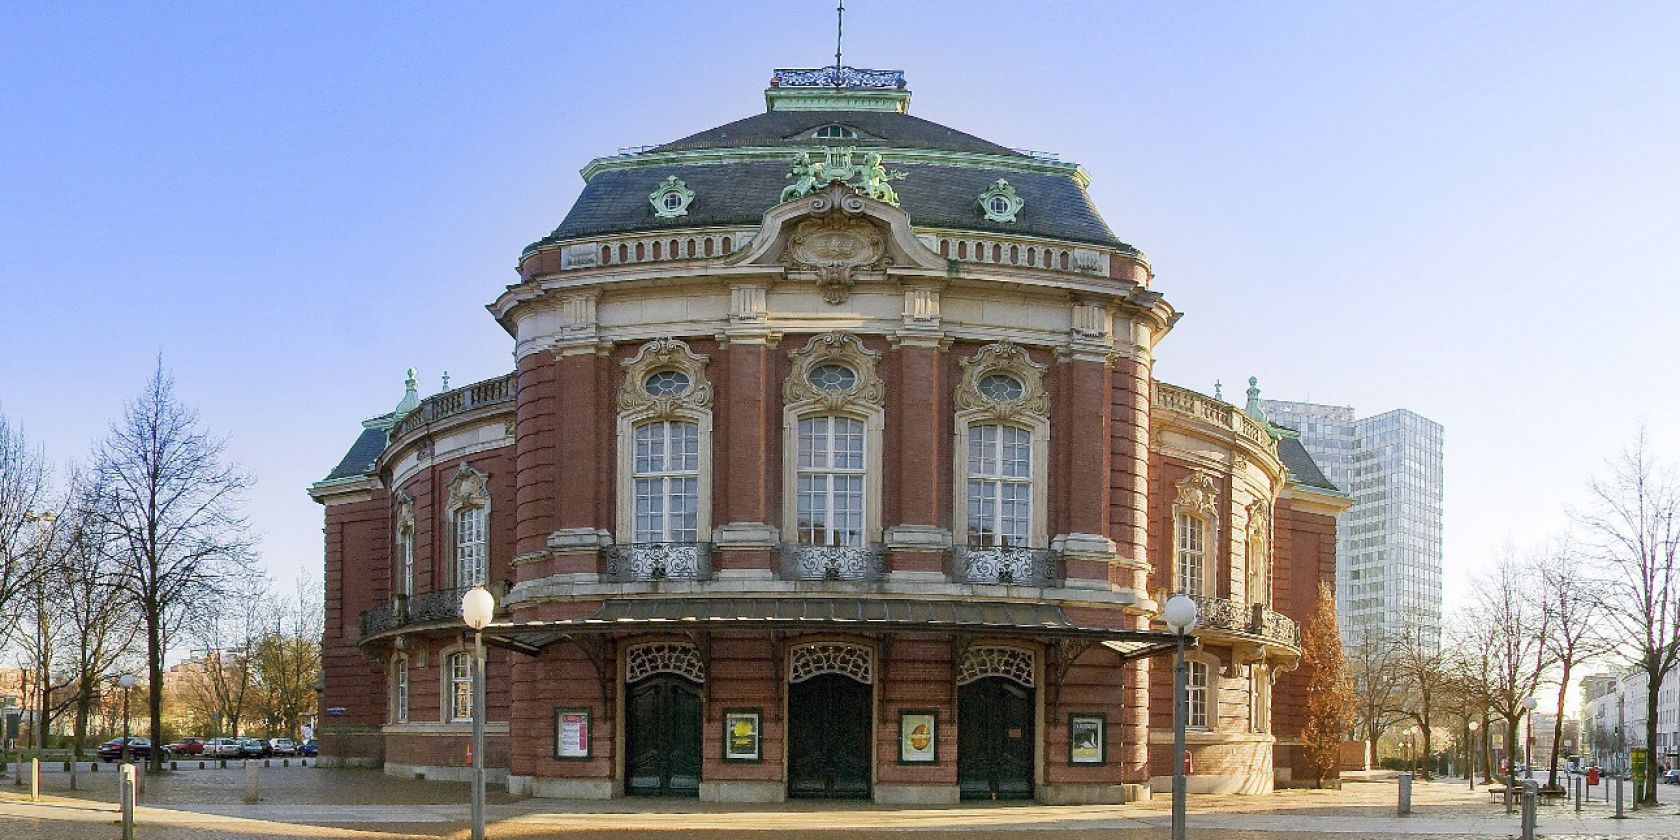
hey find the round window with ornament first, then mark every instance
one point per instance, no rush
(832, 378)
(666, 383)
(1000, 387)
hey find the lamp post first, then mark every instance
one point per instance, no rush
(127, 682)
(1470, 748)
(477, 607)
(1528, 743)
(1180, 615)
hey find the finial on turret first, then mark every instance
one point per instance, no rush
(446, 380)
(1218, 394)
(411, 395)
(1253, 408)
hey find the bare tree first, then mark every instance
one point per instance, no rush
(1510, 624)
(24, 494)
(169, 505)
(223, 688)
(1572, 600)
(1634, 528)
(1423, 673)
(289, 661)
(1377, 691)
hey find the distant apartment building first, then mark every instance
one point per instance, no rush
(1388, 545)
(1610, 698)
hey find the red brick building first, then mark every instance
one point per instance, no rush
(831, 465)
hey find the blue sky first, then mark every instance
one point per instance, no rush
(1468, 210)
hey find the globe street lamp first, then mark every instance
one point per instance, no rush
(477, 607)
(1470, 747)
(1528, 745)
(127, 682)
(1180, 615)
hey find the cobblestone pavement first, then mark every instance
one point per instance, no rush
(362, 804)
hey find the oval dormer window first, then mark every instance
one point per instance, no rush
(834, 132)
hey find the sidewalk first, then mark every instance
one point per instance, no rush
(364, 804)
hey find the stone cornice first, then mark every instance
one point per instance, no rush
(1313, 500)
(342, 490)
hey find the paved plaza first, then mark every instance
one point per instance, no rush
(331, 803)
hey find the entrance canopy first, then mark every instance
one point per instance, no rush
(641, 615)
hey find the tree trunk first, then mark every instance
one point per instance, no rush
(1487, 751)
(1428, 754)
(1557, 726)
(154, 691)
(1513, 728)
(1648, 793)
(1371, 753)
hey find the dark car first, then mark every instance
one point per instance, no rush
(1672, 776)
(186, 746)
(252, 748)
(309, 748)
(137, 748)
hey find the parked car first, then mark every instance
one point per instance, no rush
(222, 747)
(186, 746)
(309, 748)
(1672, 776)
(137, 748)
(282, 746)
(250, 747)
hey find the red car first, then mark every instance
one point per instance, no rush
(187, 746)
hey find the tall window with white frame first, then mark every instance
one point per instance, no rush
(666, 473)
(405, 560)
(1196, 694)
(470, 546)
(999, 486)
(399, 692)
(459, 702)
(1192, 553)
(829, 474)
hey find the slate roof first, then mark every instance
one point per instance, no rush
(874, 128)
(363, 453)
(1301, 465)
(737, 194)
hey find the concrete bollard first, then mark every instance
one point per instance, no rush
(1530, 808)
(1620, 813)
(252, 794)
(285, 762)
(127, 793)
(1404, 807)
(35, 779)
(265, 762)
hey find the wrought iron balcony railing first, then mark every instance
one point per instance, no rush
(659, 561)
(1254, 619)
(424, 607)
(1006, 565)
(1275, 625)
(832, 562)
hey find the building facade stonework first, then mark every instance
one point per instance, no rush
(869, 492)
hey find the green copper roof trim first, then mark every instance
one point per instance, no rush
(836, 99)
(782, 154)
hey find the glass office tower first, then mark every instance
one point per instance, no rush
(1388, 545)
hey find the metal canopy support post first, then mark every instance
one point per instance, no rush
(1180, 783)
(479, 711)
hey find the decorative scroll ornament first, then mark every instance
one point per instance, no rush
(1000, 203)
(814, 660)
(834, 562)
(405, 511)
(839, 166)
(680, 658)
(834, 348)
(981, 661)
(1197, 494)
(660, 356)
(468, 488)
(835, 250)
(1007, 565)
(657, 561)
(1009, 360)
(671, 198)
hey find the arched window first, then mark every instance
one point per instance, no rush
(829, 474)
(459, 698)
(404, 567)
(1191, 565)
(470, 547)
(399, 690)
(1000, 479)
(834, 132)
(1196, 694)
(666, 472)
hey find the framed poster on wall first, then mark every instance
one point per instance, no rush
(1087, 739)
(918, 736)
(571, 733)
(741, 735)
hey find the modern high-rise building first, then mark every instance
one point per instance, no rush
(1388, 545)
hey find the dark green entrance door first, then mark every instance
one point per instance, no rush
(828, 737)
(662, 726)
(995, 739)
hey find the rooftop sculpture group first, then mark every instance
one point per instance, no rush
(838, 167)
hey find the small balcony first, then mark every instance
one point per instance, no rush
(659, 561)
(423, 608)
(1006, 565)
(1224, 614)
(832, 562)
